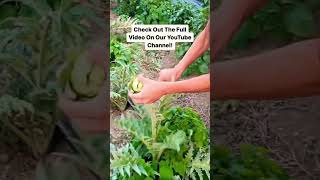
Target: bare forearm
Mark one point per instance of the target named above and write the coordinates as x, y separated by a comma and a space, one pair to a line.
196, 84
291, 71
228, 18
198, 47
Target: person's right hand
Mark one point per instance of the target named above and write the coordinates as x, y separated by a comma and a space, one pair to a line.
170, 74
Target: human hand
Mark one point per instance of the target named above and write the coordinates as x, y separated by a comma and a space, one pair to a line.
91, 115
152, 91
170, 74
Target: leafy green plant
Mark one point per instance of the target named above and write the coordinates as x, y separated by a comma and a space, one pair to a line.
169, 151
32, 127
33, 46
127, 7
199, 163
160, 12
120, 75
128, 163
183, 13
148, 11
122, 24
187, 119
252, 163
199, 66
120, 52
279, 20
125, 60
154, 12
37, 42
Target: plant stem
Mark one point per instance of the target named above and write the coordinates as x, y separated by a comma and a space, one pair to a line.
43, 45
160, 153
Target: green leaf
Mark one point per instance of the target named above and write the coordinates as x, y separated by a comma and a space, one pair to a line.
143, 171
127, 169
203, 68
121, 171
187, 119
172, 141
299, 21
180, 167
7, 10
166, 172
18, 64
136, 169
248, 31
40, 6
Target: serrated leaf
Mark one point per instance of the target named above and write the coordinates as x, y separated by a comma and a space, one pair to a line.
143, 171
200, 174
180, 167
174, 141
121, 171
127, 169
136, 169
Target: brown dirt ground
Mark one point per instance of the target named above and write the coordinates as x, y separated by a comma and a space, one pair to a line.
16, 164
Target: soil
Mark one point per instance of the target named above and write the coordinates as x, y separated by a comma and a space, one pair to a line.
16, 164
288, 128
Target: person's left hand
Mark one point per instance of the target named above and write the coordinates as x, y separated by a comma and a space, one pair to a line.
152, 91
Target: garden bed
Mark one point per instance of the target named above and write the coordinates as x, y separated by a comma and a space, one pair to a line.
288, 128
